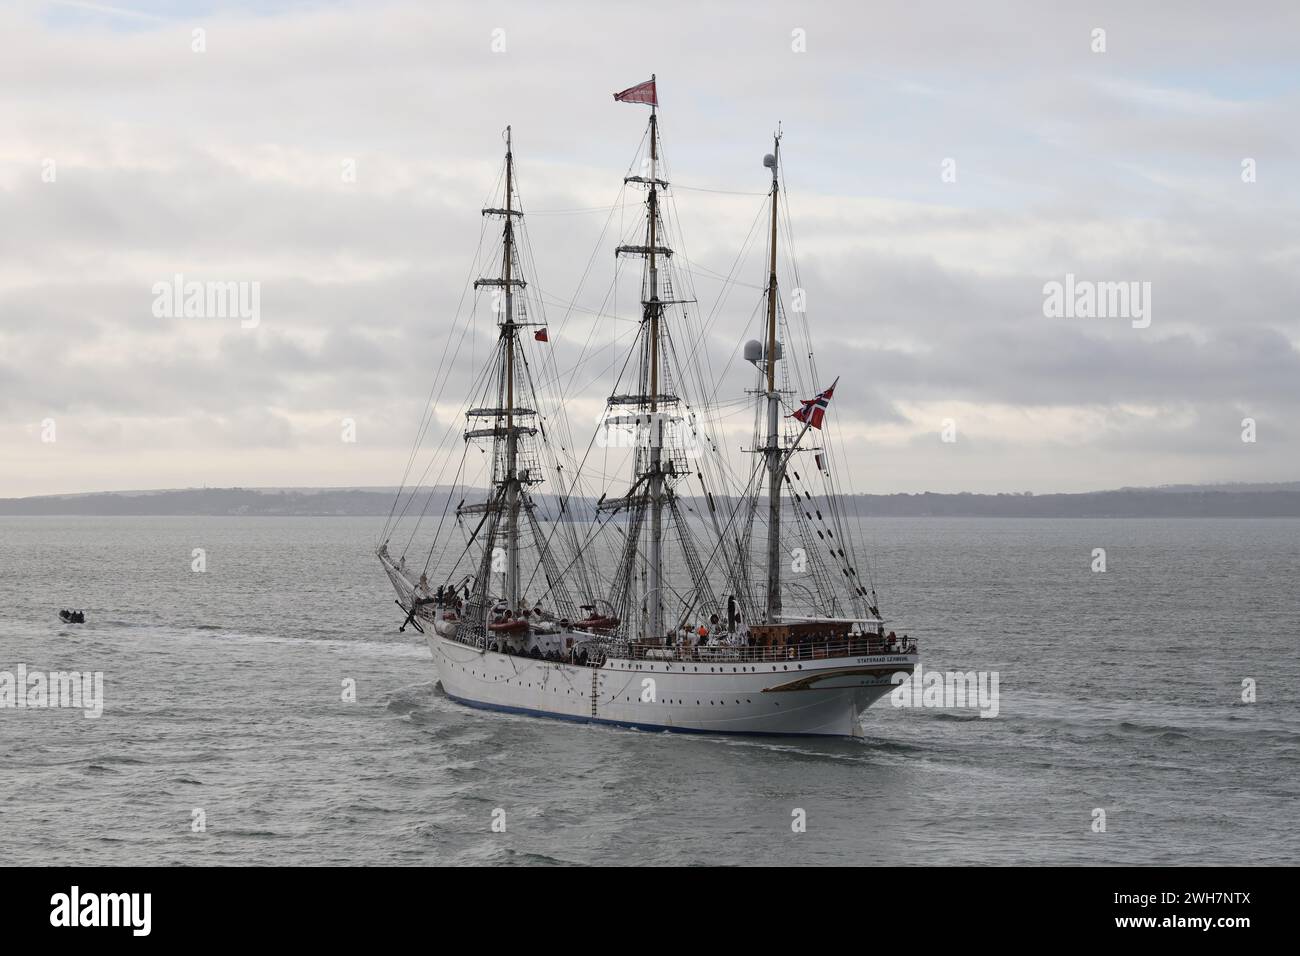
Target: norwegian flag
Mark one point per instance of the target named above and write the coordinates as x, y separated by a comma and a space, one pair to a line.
641, 93
814, 409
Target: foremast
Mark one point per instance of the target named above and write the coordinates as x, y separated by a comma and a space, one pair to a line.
512, 437
502, 510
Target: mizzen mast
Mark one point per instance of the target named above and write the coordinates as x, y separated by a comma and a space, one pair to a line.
773, 450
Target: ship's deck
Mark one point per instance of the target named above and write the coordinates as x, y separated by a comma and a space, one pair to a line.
803, 651
595, 654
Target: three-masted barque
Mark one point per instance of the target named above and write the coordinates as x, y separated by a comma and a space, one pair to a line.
686, 596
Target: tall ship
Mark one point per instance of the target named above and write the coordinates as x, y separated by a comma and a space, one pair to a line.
633, 574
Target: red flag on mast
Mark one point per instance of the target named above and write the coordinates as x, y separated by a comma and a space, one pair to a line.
813, 410
541, 335
641, 93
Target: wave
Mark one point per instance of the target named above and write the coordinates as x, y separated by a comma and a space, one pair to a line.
960, 716
527, 858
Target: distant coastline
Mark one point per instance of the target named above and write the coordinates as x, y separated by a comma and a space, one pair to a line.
1277, 500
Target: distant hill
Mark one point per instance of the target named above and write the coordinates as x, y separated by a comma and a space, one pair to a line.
1128, 503
1226, 486
214, 501
1175, 501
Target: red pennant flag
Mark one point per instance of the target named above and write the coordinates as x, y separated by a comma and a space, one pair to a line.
641, 93
540, 335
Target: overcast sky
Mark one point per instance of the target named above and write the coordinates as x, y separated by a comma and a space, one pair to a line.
127, 157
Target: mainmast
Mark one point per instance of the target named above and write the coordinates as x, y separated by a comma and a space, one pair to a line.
775, 465
651, 471
651, 502
653, 310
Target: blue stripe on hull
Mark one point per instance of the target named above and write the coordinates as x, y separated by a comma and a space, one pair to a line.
575, 718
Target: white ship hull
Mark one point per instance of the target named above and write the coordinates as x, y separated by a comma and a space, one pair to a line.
823, 697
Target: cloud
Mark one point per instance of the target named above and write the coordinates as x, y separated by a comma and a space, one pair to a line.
925, 295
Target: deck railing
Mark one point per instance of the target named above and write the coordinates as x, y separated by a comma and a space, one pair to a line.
860, 646
726, 653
